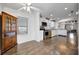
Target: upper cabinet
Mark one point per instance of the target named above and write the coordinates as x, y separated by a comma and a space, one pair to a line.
9, 22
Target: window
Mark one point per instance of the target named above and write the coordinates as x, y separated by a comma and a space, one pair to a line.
22, 25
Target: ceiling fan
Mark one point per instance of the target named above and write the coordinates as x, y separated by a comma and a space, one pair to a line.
28, 7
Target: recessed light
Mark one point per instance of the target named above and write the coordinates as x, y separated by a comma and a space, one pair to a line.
77, 13
65, 8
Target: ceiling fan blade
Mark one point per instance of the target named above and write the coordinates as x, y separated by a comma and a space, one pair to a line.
34, 8
21, 8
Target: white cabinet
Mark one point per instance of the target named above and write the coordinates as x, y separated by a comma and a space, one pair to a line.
59, 32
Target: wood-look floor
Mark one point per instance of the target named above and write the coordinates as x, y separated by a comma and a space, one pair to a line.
53, 46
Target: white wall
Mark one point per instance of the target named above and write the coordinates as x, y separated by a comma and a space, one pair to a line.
21, 38
0, 9
34, 32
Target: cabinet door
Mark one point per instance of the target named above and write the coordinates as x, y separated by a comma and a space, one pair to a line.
7, 24
13, 24
7, 42
14, 41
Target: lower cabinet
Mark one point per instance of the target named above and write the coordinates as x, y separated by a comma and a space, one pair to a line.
7, 43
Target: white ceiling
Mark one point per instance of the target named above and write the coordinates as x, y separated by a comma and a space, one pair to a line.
57, 9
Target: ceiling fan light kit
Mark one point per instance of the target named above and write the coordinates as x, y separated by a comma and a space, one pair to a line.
28, 7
